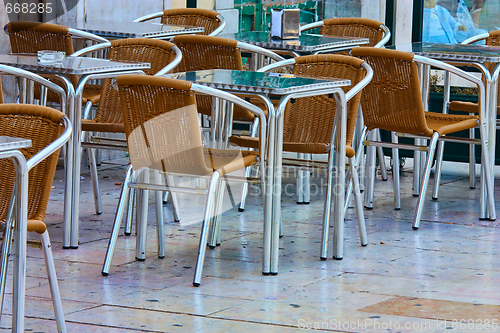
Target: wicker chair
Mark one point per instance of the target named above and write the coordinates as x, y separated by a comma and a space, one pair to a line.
378, 35
205, 52
491, 38
212, 21
375, 31
162, 55
31, 37
43, 126
393, 102
309, 122
161, 123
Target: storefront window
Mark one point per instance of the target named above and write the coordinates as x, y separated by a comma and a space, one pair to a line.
453, 21
255, 14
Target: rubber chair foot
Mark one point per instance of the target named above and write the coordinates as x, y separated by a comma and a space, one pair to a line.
211, 247
127, 233
415, 195
340, 258
98, 213
140, 259
322, 258
397, 208
104, 274
196, 284
434, 199
241, 209
266, 274
414, 228
274, 274
161, 257
364, 245
369, 208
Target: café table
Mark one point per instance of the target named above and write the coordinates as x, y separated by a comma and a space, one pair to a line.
9, 148
86, 69
475, 55
111, 29
304, 45
285, 87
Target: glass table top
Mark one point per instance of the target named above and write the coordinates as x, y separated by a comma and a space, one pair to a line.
120, 29
457, 52
9, 143
305, 43
257, 82
70, 65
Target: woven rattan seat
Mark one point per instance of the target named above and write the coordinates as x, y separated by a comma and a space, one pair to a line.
206, 52
31, 37
161, 124
198, 17
393, 102
42, 125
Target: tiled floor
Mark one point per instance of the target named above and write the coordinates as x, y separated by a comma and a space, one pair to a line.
403, 281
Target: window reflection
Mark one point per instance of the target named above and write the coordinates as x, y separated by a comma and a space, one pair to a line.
452, 21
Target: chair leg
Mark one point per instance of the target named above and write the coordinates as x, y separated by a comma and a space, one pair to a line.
425, 181
209, 208
300, 182
472, 160
116, 224
160, 233
173, 196
381, 158
359, 203
370, 173
54, 287
488, 176
6, 247
215, 225
327, 208
244, 191
307, 182
142, 217
95, 181
130, 207
395, 173
358, 159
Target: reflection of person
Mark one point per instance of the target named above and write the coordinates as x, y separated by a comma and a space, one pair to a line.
439, 25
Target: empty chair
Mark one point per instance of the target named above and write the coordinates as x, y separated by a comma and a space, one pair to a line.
491, 38
212, 21
163, 134
378, 35
393, 102
48, 129
377, 32
205, 52
31, 37
309, 123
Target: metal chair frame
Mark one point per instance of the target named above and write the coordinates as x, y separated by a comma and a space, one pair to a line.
45, 239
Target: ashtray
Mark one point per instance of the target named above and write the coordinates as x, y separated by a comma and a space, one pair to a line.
50, 57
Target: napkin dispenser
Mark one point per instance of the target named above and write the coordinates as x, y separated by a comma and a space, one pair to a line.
285, 23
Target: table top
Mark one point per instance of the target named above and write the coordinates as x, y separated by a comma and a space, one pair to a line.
257, 82
70, 65
149, 29
305, 43
454, 52
9, 143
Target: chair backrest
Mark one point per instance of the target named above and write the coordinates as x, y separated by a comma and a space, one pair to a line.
354, 27
392, 100
161, 124
207, 52
31, 37
42, 125
311, 119
157, 52
208, 19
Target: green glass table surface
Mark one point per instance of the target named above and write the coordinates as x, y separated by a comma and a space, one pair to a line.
447, 52
257, 82
305, 43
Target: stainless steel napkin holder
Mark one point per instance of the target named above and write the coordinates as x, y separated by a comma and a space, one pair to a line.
285, 23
